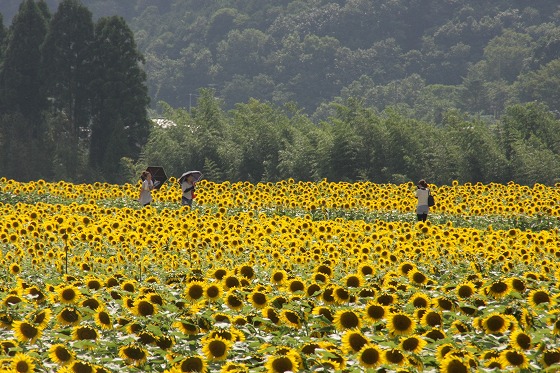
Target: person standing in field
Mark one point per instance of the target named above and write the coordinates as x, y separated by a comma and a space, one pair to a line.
187, 186
422, 193
147, 187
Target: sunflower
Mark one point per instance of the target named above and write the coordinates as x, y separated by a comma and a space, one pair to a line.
84, 333
79, 366
281, 364
25, 331
133, 354
444, 303
444, 349
278, 277
233, 301
514, 358
346, 319
69, 316
129, 286
370, 356
143, 307
353, 281
93, 283
194, 291
11, 299
313, 290
35, 294
341, 295
61, 354
353, 341
494, 364
258, 299
420, 300
324, 312
230, 334
406, 267
15, 268
465, 290
291, 318
234, 368
67, 294
495, 323
431, 319
213, 292
499, 289
539, 297
165, 342
375, 311
435, 334
91, 303
192, 364
295, 285
517, 284
459, 327
42, 318
366, 269
8, 347
394, 356
454, 364
22, 363
216, 348
187, 326
519, 340
551, 357
386, 299
412, 343
417, 277
103, 319
399, 323
271, 314
146, 337
231, 281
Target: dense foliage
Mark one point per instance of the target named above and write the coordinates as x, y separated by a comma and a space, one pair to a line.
424, 55
260, 142
278, 277
73, 96
335, 85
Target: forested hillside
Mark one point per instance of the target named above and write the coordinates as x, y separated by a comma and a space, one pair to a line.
425, 55
271, 89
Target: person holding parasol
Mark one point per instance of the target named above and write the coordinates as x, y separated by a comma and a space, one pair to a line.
188, 182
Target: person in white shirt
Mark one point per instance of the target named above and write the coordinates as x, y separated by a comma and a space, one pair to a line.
422, 193
187, 186
147, 187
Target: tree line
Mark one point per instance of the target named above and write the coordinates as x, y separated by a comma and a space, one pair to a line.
260, 142
73, 94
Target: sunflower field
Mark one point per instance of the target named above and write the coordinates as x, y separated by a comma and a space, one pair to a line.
279, 277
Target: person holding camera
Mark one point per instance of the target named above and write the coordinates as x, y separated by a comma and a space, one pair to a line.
147, 187
422, 194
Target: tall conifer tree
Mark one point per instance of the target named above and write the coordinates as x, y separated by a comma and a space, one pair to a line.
67, 63
21, 88
120, 123
22, 100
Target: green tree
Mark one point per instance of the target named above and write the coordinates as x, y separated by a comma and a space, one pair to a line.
506, 55
208, 135
120, 125
67, 63
532, 122
21, 81
3, 33
542, 85
482, 158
